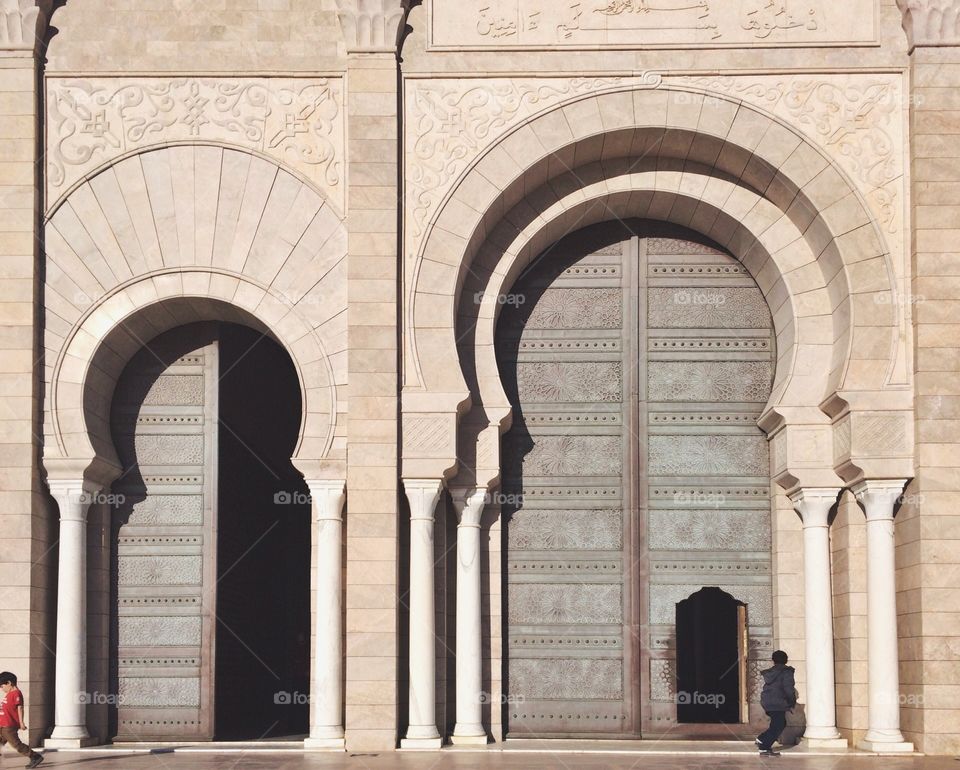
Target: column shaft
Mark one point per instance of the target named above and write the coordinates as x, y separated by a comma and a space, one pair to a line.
326, 725
422, 729
70, 729
470, 697
821, 711
883, 662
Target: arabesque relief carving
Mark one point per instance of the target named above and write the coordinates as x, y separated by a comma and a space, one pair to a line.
858, 121
451, 122
298, 122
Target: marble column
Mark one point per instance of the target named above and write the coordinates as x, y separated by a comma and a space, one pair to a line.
326, 720
70, 712
883, 660
422, 732
469, 727
813, 505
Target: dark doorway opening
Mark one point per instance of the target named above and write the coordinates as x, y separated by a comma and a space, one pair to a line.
263, 539
710, 655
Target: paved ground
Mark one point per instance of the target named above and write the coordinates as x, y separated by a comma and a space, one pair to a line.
163, 759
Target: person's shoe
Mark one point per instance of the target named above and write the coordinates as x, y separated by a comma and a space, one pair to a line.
769, 753
758, 743
35, 761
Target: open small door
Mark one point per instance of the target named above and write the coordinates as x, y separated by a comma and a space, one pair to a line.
711, 658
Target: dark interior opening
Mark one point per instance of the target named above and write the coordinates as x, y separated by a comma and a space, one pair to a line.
262, 633
708, 658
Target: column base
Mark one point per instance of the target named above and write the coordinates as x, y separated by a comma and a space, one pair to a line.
886, 747
70, 743
469, 740
337, 744
824, 743
421, 743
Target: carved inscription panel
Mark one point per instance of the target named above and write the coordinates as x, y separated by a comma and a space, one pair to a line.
650, 23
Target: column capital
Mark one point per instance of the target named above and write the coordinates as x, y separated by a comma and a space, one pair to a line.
814, 504
326, 496
878, 496
422, 494
371, 26
74, 497
24, 24
468, 502
931, 22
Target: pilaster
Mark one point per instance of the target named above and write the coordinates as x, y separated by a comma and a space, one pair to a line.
29, 530
928, 523
372, 288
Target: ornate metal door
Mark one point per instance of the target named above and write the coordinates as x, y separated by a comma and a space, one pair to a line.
164, 424
637, 360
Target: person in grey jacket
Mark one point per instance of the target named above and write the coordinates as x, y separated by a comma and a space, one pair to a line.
779, 696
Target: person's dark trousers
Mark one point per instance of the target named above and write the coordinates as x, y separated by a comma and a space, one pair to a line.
10, 735
778, 721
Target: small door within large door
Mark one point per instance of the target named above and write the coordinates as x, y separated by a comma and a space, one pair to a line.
164, 424
709, 658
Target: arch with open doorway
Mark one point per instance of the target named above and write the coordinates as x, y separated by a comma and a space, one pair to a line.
209, 551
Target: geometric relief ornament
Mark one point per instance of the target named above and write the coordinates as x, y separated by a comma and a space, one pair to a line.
296, 121
663, 684
708, 455
567, 678
880, 434
154, 692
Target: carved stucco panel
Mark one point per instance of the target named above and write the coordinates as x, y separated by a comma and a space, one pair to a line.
160, 570
153, 692
566, 603
567, 678
141, 631
299, 122
710, 530
162, 510
532, 529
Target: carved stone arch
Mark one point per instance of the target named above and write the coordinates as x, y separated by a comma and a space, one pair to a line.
206, 228
80, 388
740, 143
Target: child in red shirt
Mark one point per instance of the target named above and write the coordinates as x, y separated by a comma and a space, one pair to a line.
11, 718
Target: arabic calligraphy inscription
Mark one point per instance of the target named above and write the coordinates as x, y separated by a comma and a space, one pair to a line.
644, 23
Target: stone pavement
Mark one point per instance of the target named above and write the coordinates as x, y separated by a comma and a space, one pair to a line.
657, 757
